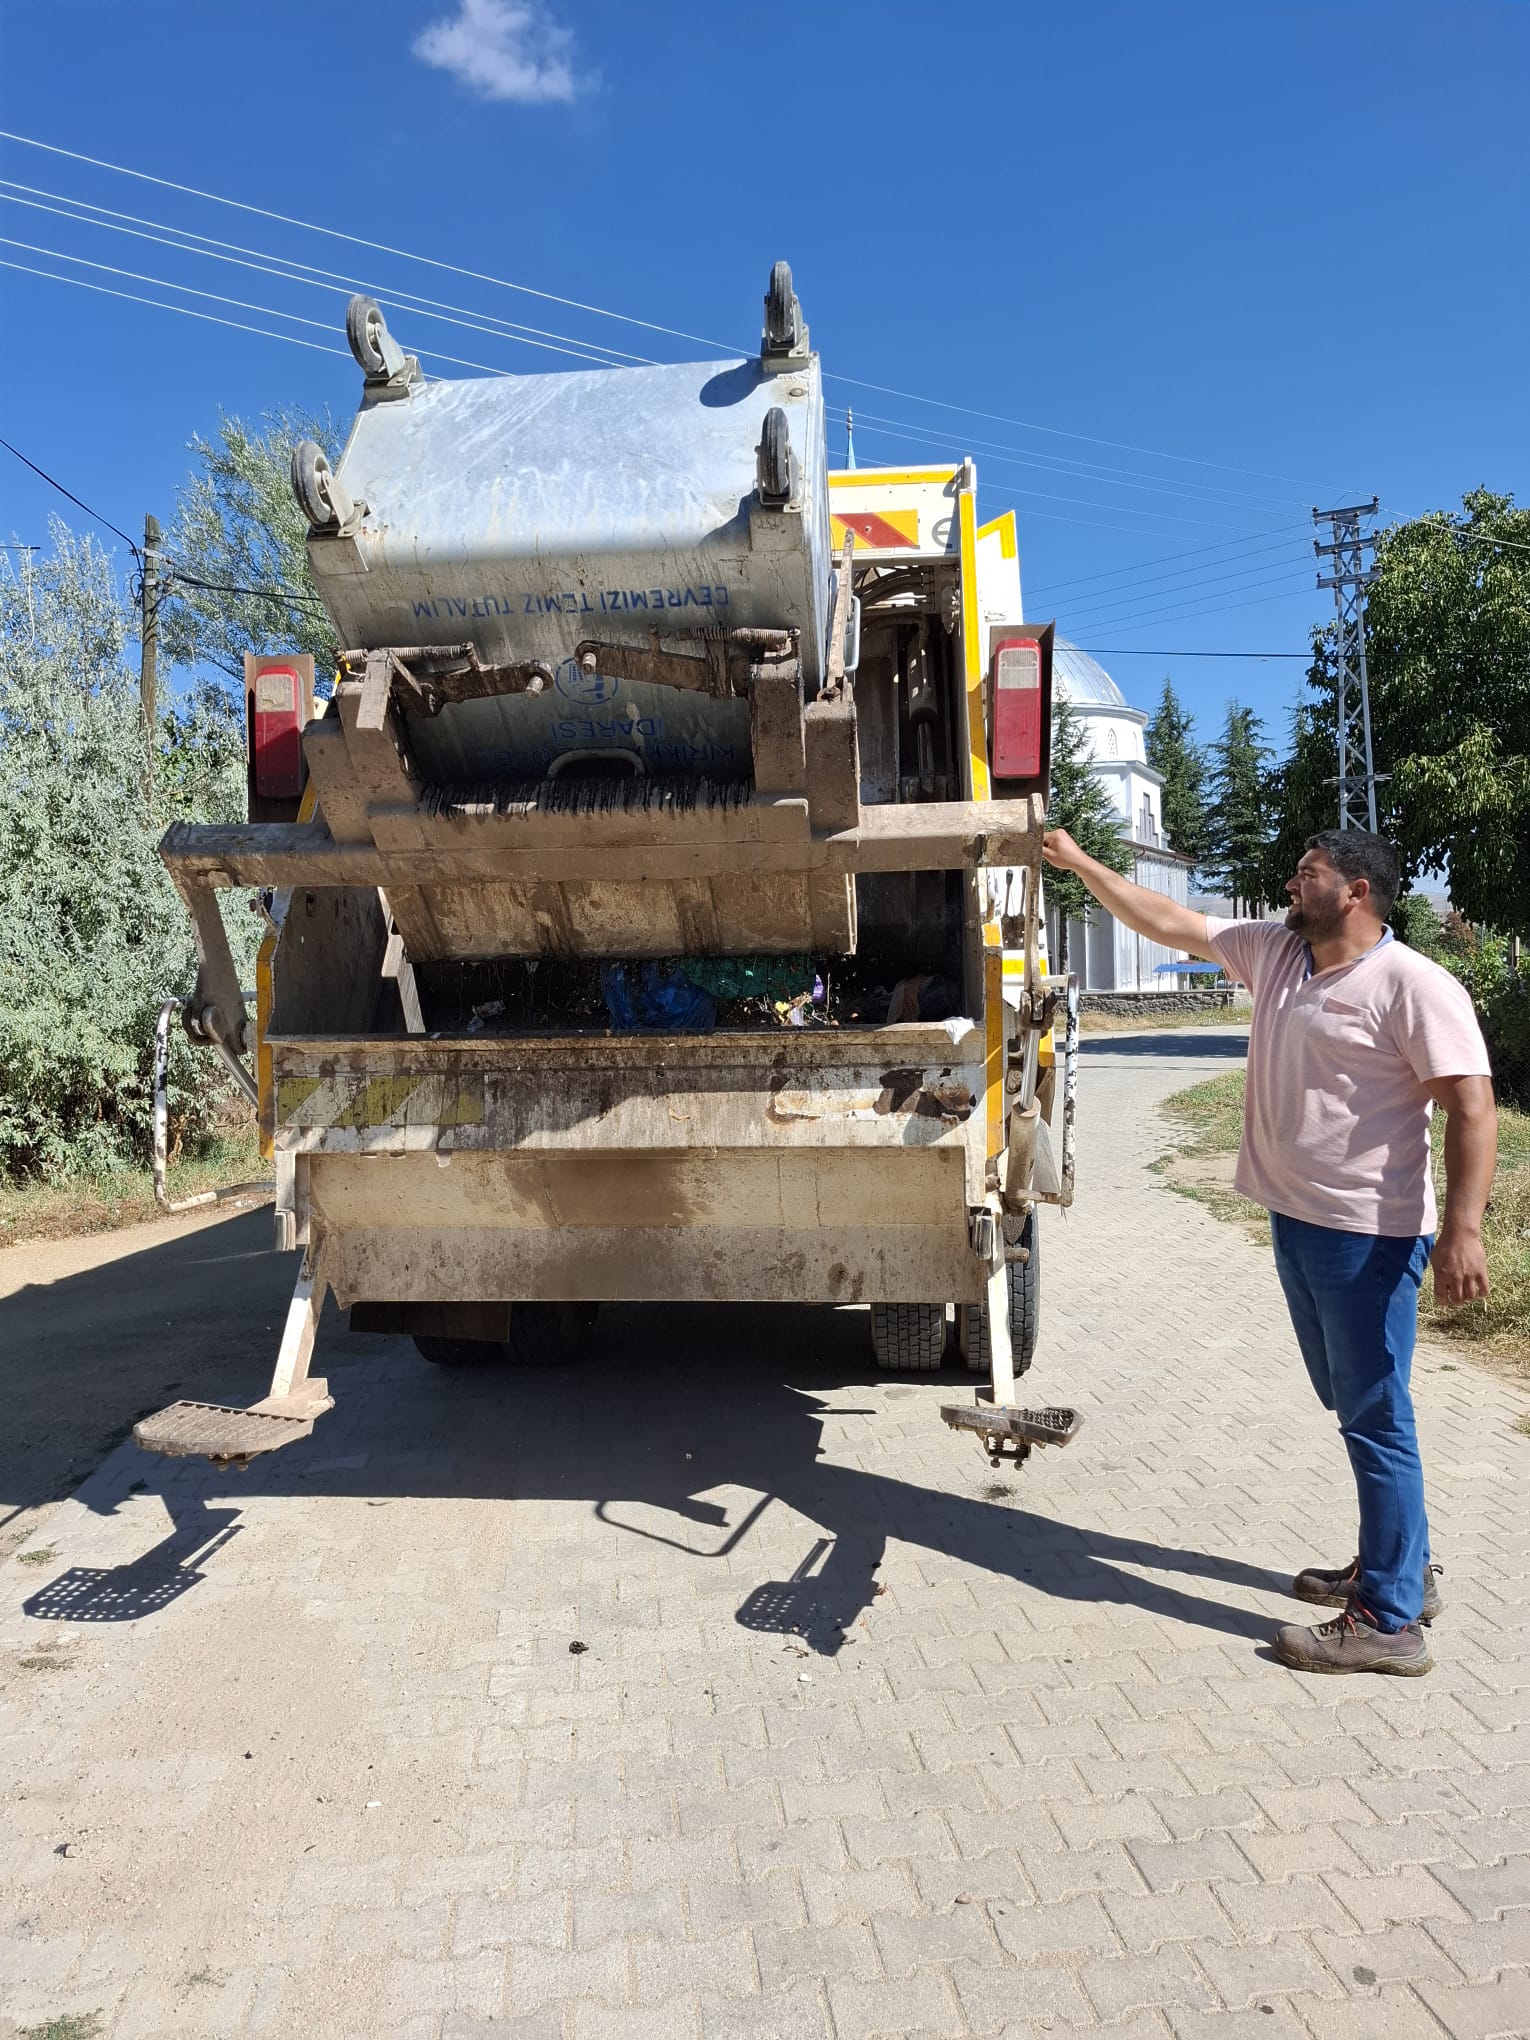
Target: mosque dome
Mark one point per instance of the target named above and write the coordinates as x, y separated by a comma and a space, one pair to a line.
1082, 679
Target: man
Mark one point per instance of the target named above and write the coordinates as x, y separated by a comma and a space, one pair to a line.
1355, 1038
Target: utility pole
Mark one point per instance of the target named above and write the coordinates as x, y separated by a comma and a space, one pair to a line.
1349, 580
148, 670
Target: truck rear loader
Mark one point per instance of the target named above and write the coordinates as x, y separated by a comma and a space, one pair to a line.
655, 904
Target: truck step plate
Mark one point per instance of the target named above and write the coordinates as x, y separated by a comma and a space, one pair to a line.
188, 1430
998, 1425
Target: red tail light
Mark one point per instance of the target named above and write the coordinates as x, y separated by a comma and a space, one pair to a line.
1017, 708
278, 734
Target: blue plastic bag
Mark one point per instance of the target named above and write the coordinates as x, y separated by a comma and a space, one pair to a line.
655, 996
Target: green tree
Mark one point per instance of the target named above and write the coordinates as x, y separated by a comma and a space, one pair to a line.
1173, 751
1414, 920
92, 933
238, 526
1448, 655
1078, 803
1239, 818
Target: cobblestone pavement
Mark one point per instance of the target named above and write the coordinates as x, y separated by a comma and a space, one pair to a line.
717, 1690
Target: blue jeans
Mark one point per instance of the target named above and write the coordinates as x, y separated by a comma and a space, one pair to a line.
1353, 1299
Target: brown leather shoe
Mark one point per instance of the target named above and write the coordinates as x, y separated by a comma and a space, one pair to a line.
1353, 1643
1337, 1588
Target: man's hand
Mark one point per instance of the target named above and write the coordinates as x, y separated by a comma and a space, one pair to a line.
1059, 849
1460, 1266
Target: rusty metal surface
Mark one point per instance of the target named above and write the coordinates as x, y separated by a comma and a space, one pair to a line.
187, 1430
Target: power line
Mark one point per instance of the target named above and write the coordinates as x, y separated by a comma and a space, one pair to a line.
186, 311
54, 483
239, 304
1168, 600
1093, 471
182, 239
1136, 652
1083, 502
1185, 581
626, 318
228, 588
1226, 545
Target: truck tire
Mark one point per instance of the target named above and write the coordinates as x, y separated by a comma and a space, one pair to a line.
549, 1334
909, 1338
1024, 1309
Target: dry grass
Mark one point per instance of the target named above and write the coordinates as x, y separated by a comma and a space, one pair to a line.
92, 1204
1499, 1330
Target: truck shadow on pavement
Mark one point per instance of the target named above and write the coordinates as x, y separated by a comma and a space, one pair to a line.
1186, 1045
674, 1406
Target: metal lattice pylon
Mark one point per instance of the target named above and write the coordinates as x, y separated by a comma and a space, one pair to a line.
1349, 580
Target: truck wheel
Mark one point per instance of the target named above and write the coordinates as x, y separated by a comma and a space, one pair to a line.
549, 1334
909, 1338
1024, 1309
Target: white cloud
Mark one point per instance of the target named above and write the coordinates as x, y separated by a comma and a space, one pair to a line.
505, 49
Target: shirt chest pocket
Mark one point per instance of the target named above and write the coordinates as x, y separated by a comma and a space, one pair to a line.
1347, 1028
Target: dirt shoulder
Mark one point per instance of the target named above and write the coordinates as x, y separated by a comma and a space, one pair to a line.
1209, 1117
97, 1332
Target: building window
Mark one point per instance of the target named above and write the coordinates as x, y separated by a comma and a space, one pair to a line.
1148, 833
1110, 744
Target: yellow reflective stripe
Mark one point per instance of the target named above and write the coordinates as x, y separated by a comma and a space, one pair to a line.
1009, 544
889, 478
972, 650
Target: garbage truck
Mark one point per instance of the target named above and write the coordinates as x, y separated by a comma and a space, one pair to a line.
655, 905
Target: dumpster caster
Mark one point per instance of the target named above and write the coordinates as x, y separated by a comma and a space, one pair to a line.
909, 1338
1009, 1433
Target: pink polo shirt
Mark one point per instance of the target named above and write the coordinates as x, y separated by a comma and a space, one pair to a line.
1337, 1109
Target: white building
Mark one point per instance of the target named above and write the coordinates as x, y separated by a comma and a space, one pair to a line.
1106, 956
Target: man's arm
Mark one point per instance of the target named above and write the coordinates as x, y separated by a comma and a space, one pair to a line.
1471, 1151
1144, 912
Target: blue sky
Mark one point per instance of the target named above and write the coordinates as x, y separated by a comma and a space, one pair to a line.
1205, 265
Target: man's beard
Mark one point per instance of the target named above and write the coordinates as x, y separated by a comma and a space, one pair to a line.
1315, 925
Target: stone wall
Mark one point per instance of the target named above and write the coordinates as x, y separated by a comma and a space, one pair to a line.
1158, 1002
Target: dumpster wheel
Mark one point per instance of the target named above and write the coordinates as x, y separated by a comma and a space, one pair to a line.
909, 1338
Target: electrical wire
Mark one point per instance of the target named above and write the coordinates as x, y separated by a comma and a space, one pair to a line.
626, 318
1215, 609
1163, 586
1115, 573
1093, 471
1137, 652
182, 239
186, 311
344, 353
1084, 502
54, 483
1108, 609
189, 580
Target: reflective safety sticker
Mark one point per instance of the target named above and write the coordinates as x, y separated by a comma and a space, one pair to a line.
353, 1102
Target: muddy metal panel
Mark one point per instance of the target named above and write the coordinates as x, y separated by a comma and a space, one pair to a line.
529, 512
637, 1168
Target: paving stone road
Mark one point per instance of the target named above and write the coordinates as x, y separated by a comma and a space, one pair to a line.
715, 1689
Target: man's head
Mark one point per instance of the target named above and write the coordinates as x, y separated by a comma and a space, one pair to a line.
1343, 872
